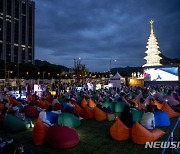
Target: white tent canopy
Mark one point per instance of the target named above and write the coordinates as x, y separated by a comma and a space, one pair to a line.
116, 80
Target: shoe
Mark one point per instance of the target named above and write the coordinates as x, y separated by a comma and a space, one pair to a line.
80, 118
10, 141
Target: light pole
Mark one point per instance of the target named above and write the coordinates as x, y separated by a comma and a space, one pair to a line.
110, 63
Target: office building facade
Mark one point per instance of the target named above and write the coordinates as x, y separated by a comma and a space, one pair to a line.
17, 22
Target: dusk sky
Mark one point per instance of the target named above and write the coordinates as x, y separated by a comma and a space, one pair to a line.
98, 31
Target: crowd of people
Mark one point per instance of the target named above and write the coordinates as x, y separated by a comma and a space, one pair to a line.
135, 98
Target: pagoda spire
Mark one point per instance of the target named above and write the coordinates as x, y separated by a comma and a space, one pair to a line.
152, 30
152, 58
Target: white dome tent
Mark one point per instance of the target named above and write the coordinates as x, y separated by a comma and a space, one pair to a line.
116, 80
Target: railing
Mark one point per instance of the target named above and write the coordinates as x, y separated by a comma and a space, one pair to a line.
170, 137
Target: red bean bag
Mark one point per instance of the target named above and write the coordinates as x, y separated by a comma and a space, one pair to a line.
78, 110
84, 103
62, 137
171, 113
88, 113
141, 135
119, 131
57, 107
30, 111
13, 101
39, 132
92, 103
99, 114
43, 104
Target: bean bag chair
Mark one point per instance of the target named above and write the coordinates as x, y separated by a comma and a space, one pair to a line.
62, 137
137, 103
61, 100
119, 131
79, 99
119, 106
141, 135
13, 124
99, 114
78, 110
52, 117
84, 103
171, 113
159, 105
1, 107
88, 113
92, 104
13, 101
69, 120
39, 132
43, 104
110, 104
57, 107
30, 111
137, 115
161, 119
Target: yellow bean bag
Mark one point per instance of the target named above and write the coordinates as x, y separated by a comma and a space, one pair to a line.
99, 114
141, 135
119, 131
171, 113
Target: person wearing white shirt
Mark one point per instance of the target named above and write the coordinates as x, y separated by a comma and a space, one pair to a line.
148, 120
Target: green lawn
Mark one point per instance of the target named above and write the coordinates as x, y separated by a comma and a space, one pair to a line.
94, 138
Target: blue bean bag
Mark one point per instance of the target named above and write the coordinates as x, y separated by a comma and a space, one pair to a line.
161, 119
52, 117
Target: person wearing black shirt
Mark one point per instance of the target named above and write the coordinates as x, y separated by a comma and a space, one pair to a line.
127, 117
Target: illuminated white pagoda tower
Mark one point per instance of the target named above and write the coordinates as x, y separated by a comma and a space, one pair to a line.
152, 58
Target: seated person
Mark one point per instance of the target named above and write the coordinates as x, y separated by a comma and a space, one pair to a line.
127, 117
148, 120
22, 117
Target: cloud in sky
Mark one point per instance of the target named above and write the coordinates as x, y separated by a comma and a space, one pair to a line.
104, 30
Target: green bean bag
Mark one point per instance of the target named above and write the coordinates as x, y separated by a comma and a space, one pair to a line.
107, 103
119, 106
13, 124
61, 100
69, 120
137, 115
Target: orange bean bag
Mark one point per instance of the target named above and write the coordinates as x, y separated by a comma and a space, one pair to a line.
141, 135
99, 114
137, 103
171, 113
159, 105
88, 113
119, 131
92, 103
84, 103
78, 110
39, 132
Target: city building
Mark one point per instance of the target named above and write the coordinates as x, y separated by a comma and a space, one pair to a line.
17, 20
